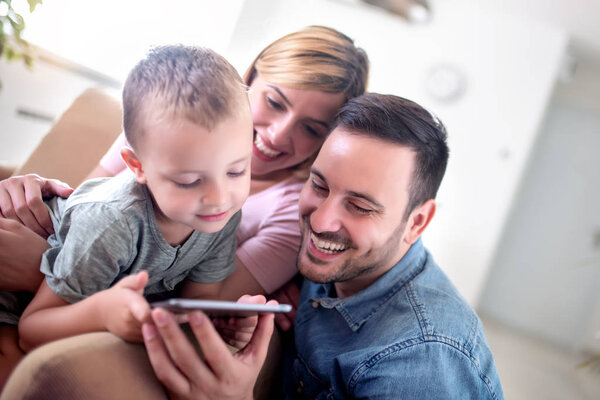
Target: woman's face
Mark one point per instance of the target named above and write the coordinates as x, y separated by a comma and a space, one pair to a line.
289, 124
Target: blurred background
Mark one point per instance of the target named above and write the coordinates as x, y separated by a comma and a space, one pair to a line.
517, 85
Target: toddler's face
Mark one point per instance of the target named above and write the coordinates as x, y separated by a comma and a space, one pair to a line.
199, 178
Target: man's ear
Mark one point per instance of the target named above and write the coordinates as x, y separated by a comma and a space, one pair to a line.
134, 164
418, 220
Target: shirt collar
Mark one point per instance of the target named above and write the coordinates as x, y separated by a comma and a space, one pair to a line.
358, 308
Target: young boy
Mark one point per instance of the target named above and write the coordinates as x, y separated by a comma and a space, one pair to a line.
124, 240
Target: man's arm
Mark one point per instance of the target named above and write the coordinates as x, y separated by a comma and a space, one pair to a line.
120, 310
426, 370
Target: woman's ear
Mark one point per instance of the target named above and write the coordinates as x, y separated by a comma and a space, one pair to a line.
418, 220
134, 164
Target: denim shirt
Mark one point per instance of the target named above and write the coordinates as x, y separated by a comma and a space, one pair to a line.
409, 335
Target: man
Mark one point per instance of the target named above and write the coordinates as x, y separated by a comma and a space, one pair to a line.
376, 318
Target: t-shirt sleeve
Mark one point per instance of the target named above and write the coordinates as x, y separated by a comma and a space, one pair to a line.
219, 261
270, 255
112, 161
430, 370
91, 248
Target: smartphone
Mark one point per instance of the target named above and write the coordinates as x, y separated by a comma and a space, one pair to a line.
216, 308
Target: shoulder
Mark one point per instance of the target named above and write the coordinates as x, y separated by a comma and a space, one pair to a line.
441, 340
417, 368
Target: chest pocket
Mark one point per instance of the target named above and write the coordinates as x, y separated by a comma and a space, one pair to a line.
309, 386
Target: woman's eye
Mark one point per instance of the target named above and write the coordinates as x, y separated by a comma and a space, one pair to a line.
312, 131
187, 185
236, 174
274, 104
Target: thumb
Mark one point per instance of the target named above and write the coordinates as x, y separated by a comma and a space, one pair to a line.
56, 187
135, 282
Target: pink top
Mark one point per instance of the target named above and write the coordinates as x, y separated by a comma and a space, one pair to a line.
268, 236
112, 161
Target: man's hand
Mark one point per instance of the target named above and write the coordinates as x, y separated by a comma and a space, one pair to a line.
21, 200
124, 308
220, 375
288, 294
21, 252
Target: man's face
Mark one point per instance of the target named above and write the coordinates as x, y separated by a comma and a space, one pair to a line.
198, 178
352, 210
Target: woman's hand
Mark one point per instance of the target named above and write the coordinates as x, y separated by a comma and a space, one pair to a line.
21, 200
220, 374
21, 252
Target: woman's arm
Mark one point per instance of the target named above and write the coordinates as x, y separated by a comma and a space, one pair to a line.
21, 252
121, 310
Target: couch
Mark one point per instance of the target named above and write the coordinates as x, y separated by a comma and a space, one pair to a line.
77, 141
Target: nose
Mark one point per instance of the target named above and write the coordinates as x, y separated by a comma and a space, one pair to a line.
215, 193
280, 131
326, 216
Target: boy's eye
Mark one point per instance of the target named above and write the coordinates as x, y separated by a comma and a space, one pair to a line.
188, 185
318, 188
236, 173
274, 104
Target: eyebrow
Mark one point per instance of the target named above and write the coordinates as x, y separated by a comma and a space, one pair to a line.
287, 101
351, 192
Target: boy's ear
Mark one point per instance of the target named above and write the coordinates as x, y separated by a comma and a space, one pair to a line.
134, 164
418, 220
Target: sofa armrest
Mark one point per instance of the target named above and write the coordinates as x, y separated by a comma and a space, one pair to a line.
77, 141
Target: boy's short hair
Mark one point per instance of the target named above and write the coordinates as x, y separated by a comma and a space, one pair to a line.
180, 81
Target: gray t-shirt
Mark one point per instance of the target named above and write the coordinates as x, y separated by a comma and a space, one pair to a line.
107, 229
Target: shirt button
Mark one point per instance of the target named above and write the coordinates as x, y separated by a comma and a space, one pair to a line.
315, 304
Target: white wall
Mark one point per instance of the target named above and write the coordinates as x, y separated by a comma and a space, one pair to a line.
510, 65
545, 279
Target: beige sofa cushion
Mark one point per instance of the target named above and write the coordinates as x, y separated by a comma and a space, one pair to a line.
78, 140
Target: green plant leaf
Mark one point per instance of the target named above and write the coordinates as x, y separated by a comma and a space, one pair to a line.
33, 4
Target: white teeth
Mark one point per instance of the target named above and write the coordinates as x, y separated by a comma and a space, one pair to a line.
258, 142
326, 247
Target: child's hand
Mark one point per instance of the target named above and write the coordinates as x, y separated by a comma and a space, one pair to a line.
236, 331
124, 307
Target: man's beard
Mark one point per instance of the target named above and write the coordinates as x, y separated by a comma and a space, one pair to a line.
350, 268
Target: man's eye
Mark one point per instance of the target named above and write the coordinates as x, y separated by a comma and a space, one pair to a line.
361, 210
274, 104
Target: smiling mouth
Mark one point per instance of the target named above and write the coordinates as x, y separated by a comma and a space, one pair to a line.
213, 217
327, 247
264, 149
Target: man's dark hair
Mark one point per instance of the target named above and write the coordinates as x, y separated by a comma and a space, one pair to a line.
405, 123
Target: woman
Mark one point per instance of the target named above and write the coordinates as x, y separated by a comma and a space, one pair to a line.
297, 84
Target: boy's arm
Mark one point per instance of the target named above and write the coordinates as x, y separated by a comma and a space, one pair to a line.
196, 290
120, 310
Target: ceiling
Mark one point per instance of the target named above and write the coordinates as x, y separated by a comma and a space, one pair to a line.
579, 18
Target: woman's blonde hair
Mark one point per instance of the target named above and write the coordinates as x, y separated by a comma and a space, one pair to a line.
314, 58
